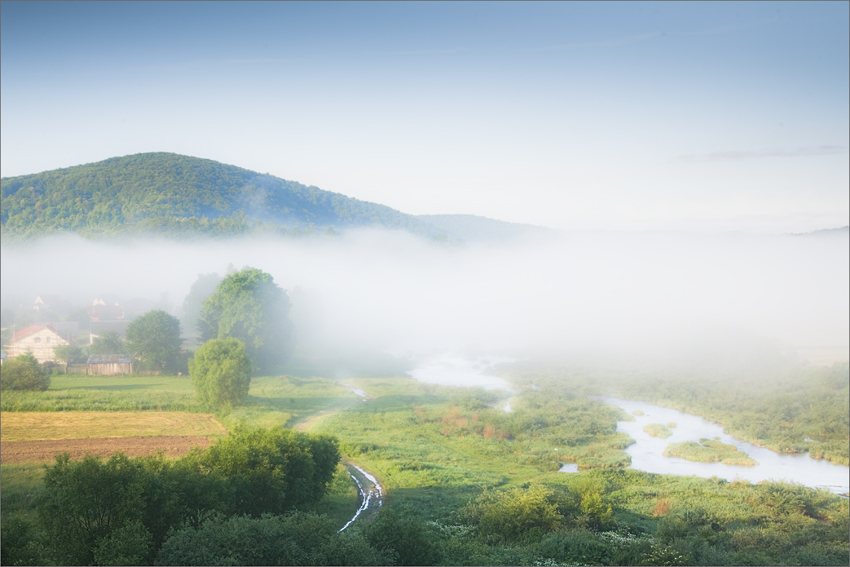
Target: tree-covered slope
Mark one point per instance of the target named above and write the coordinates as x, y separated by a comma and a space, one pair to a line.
174, 194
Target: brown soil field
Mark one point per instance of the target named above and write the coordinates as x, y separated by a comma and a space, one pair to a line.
46, 450
34, 426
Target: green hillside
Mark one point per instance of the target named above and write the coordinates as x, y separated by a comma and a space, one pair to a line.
177, 195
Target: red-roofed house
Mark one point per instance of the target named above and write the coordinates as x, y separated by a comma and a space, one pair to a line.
40, 340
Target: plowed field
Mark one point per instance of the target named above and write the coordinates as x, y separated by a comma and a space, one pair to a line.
46, 450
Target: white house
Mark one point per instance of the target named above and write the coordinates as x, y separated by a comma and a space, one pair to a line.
40, 340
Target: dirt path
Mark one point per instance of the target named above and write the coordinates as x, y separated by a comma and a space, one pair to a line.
46, 450
304, 424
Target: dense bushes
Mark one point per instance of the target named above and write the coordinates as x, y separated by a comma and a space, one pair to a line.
404, 537
520, 512
24, 373
271, 470
120, 511
297, 538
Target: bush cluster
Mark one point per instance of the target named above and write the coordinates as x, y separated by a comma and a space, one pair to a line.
24, 373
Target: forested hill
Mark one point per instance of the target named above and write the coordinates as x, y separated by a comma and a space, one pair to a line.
175, 195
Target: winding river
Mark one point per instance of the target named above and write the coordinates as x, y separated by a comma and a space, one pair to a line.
647, 451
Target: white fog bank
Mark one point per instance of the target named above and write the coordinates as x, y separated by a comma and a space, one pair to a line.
396, 291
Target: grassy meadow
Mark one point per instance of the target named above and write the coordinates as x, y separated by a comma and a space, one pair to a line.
33, 426
477, 480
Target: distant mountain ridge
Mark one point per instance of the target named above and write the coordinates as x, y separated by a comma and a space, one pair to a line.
476, 228
173, 195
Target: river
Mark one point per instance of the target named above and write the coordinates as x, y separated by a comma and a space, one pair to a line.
647, 451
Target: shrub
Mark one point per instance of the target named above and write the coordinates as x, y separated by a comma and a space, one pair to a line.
273, 470
399, 533
24, 373
295, 539
514, 513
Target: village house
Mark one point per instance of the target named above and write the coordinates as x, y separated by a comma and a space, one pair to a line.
100, 310
40, 340
45, 302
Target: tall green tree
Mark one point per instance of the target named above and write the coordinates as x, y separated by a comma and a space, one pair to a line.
249, 306
66, 353
108, 342
203, 287
154, 338
221, 372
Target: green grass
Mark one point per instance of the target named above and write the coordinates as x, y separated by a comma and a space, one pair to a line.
75, 392
275, 401
436, 447
708, 451
658, 430
33, 426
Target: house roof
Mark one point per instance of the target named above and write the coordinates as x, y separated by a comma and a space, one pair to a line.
27, 331
108, 359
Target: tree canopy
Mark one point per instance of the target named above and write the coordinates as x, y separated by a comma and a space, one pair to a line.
249, 306
221, 372
203, 287
154, 338
108, 342
178, 195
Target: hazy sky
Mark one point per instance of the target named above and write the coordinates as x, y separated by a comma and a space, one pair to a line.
574, 115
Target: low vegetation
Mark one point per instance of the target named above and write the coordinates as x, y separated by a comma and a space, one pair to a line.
76, 392
33, 426
466, 483
765, 400
708, 451
658, 430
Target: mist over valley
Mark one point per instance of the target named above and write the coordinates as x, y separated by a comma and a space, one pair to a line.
412, 283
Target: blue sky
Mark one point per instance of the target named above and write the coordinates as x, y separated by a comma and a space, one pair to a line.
648, 116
